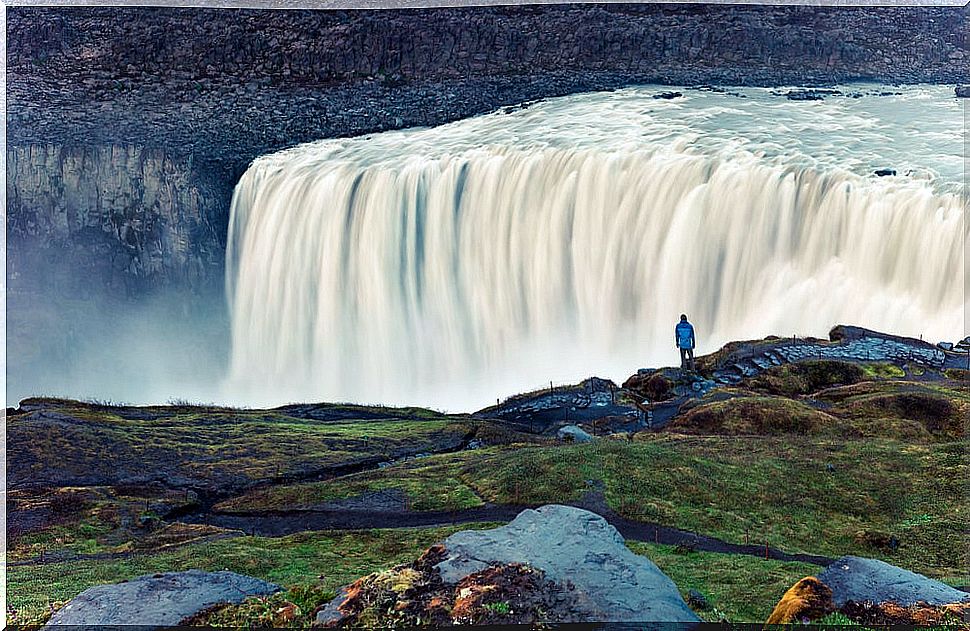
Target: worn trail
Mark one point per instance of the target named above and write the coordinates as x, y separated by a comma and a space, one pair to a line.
281, 523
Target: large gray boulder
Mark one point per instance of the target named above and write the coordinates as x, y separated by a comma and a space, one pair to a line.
860, 579
157, 600
573, 434
611, 583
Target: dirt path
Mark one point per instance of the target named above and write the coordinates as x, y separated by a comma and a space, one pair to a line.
281, 523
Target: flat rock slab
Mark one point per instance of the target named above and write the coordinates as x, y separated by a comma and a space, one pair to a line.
860, 579
573, 547
157, 600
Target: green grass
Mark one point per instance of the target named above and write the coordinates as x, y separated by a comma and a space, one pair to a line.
312, 566
740, 588
756, 489
907, 411
80, 538
900, 410
319, 562
427, 484
883, 370
777, 490
836, 620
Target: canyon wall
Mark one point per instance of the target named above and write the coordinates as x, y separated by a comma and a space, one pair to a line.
126, 218
322, 47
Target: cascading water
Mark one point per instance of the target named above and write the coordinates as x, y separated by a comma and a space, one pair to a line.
449, 266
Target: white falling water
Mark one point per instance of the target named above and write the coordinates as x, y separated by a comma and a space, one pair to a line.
450, 266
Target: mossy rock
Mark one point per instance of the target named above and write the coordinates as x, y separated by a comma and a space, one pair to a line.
806, 377
655, 386
901, 410
908, 413
755, 416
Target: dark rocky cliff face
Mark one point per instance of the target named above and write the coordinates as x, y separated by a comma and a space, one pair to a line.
131, 217
128, 127
323, 47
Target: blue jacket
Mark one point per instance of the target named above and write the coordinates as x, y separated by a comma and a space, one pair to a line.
684, 335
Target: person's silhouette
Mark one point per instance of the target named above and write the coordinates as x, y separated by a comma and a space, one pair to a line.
684, 339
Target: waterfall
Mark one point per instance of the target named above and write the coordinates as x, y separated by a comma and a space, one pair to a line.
423, 269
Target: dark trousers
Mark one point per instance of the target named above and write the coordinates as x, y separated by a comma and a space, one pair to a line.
686, 358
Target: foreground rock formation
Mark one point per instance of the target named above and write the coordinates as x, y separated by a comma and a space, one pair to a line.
861, 580
870, 591
555, 555
158, 600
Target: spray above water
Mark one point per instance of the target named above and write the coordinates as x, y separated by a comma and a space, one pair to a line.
449, 266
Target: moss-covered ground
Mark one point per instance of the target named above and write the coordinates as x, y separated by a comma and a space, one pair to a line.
69, 442
822, 459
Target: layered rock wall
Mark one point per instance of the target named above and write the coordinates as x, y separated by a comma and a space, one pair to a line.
319, 47
125, 217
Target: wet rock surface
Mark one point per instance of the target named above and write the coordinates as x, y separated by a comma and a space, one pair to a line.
573, 434
853, 344
157, 600
590, 401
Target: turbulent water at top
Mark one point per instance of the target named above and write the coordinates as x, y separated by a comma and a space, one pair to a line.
450, 266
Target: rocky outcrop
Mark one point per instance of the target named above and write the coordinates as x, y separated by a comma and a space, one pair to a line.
552, 564
573, 434
127, 218
593, 402
579, 547
157, 600
870, 580
738, 361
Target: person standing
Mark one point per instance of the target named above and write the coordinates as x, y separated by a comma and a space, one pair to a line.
684, 339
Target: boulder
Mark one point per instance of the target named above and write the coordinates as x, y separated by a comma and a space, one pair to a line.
962, 91
859, 579
807, 600
573, 434
574, 547
885, 172
157, 600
